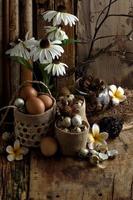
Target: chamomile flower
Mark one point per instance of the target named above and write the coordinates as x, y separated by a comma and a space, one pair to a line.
117, 94
60, 16
46, 50
56, 67
96, 138
16, 152
55, 33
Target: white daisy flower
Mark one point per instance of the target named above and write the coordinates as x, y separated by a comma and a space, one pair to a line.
57, 68
60, 16
117, 94
16, 152
46, 50
55, 33
21, 49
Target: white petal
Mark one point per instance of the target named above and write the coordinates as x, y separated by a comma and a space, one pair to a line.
49, 68
24, 150
16, 144
19, 157
48, 15
113, 88
95, 129
56, 42
9, 149
120, 90
11, 157
115, 101
104, 135
111, 93
123, 98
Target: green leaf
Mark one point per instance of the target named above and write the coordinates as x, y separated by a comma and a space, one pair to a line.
22, 61
70, 41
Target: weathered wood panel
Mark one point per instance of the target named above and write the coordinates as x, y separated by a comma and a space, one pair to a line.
26, 25
5, 40
13, 35
1, 5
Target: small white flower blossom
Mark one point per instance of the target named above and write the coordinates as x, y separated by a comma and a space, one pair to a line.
56, 67
16, 152
21, 49
59, 17
46, 50
55, 33
95, 137
117, 94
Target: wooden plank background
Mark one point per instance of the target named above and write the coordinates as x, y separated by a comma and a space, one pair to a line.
107, 66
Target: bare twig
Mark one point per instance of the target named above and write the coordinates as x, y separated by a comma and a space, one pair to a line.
120, 15
107, 36
98, 27
102, 12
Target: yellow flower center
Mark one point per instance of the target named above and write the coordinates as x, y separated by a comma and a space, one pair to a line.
17, 152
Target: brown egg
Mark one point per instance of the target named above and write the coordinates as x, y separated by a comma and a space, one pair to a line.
48, 146
47, 100
34, 105
27, 91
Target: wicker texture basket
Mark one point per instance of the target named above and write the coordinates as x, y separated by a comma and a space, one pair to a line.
30, 128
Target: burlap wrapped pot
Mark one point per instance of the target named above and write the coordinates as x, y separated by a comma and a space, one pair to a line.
71, 142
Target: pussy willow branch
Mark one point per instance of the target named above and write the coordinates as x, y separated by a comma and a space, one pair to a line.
99, 26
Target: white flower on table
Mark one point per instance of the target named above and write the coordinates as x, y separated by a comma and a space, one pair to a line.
16, 152
95, 137
60, 16
46, 50
117, 94
55, 33
56, 67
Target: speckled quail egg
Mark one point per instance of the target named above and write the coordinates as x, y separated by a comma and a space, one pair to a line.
77, 129
70, 97
66, 122
77, 120
83, 153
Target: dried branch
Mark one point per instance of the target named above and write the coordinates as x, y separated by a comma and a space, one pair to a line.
120, 15
99, 26
102, 12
